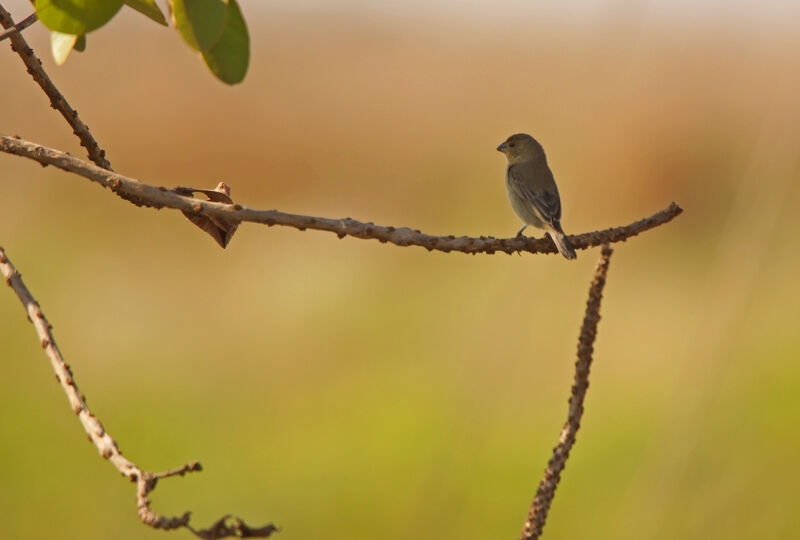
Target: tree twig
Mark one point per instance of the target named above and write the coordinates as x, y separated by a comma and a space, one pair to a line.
57, 100
161, 197
20, 26
537, 515
106, 445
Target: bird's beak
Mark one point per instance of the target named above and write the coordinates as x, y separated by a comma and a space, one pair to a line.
502, 147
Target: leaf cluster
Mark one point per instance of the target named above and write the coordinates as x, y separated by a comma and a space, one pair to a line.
214, 28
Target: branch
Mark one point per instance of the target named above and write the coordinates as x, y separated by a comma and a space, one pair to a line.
161, 197
106, 445
57, 101
537, 515
20, 26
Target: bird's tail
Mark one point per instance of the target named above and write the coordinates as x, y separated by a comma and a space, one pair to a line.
562, 243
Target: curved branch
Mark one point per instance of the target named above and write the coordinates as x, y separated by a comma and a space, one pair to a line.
106, 445
57, 100
161, 197
537, 514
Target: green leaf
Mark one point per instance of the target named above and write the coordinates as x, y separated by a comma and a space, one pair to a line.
80, 45
61, 45
200, 22
148, 8
229, 57
76, 17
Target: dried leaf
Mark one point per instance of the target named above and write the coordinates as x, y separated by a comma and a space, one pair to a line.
220, 230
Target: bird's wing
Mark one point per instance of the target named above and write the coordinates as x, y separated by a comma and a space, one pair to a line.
542, 195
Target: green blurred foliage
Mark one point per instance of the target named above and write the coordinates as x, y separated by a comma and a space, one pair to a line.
149, 8
229, 57
61, 45
200, 22
215, 28
76, 16
356, 390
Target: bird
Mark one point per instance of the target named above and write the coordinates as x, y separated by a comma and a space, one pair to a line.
532, 189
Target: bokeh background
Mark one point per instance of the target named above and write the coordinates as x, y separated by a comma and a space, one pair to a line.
345, 389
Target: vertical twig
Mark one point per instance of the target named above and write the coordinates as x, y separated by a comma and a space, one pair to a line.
537, 515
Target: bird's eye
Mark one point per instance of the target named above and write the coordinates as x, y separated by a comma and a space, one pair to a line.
511, 145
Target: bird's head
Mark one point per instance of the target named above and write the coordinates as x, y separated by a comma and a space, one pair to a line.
521, 147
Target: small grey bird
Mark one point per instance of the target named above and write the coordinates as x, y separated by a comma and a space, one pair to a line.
532, 189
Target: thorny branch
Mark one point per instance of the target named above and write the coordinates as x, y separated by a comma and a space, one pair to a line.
57, 100
106, 445
161, 197
552, 474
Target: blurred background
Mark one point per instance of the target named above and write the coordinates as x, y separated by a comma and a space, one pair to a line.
345, 389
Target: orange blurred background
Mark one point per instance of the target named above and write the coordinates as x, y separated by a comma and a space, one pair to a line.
351, 389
